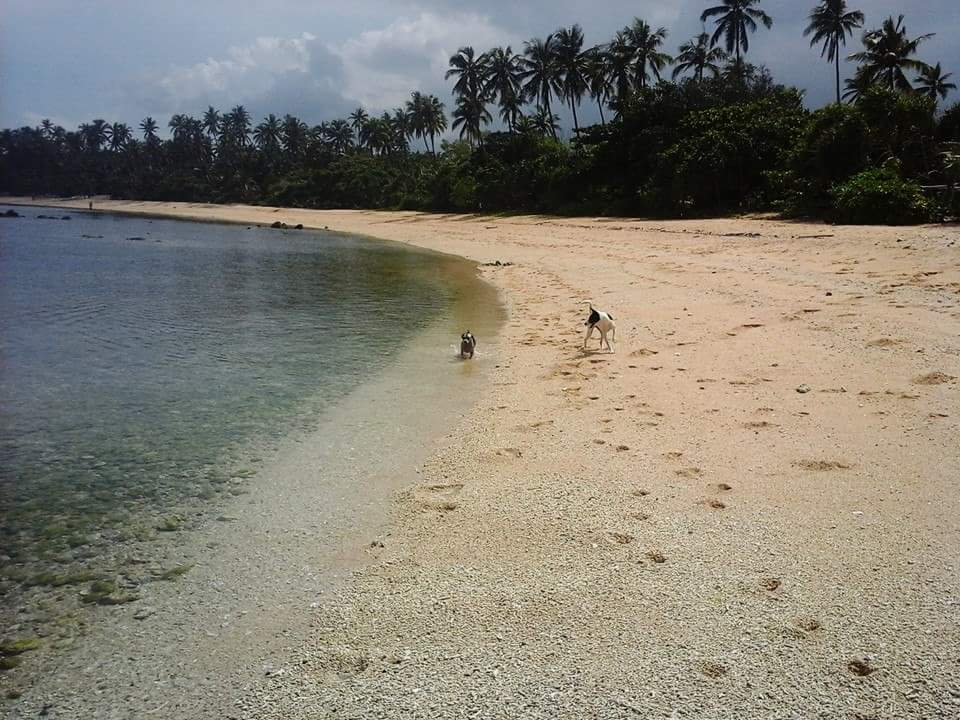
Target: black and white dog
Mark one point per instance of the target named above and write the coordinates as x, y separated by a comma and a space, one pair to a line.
603, 322
468, 343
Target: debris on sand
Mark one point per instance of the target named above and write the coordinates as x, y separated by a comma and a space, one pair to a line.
803, 388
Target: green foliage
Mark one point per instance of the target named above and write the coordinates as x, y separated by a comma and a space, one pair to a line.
948, 127
880, 197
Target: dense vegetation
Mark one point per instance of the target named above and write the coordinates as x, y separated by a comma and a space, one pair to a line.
719, 136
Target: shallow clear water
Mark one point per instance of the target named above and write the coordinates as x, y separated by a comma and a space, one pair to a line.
140, 360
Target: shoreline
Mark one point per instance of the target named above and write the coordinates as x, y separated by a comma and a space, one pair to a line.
750, 509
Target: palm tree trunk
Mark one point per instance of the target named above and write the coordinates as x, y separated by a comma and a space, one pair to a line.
837, 57
603, 120
433, 146
576, 125
425, 146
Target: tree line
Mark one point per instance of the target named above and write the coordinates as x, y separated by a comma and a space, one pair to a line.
702, 131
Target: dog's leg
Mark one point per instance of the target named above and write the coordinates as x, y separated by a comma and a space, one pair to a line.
589, 333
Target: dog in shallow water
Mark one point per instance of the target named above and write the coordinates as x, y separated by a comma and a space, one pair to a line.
603, 322
468, 343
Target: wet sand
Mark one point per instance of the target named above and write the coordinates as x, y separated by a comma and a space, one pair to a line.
750, 509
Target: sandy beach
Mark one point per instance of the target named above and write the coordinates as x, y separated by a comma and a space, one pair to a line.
749, 510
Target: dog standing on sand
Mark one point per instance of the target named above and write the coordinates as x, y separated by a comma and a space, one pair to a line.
468, 343
603, 322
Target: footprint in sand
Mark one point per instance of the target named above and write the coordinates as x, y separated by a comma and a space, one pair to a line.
715, 504
622, 448
759, 425
638, 516
721, 487
620, 538
822, 465
884, 342
656, 556
807, 624
641, 492
713, 669
933, 378
689, 472
439, 496
673, 454
770, 584
513, 452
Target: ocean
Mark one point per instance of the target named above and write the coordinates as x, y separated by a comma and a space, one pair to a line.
148, 366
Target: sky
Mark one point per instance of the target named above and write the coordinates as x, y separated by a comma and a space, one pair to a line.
122, 60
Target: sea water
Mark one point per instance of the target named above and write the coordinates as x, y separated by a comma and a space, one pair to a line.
147, 365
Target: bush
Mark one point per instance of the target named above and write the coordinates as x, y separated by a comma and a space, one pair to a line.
880, 197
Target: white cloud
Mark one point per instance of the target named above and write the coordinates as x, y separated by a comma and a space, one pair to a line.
249, 70
382, 67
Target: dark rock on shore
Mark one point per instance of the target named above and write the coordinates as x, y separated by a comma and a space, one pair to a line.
10, 214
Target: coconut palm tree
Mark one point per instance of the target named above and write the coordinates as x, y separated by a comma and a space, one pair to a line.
857, 86
735, 20
267, 135
435, 120
469, 117
339, 134
571, 62
470, 71
888, 52
211, 121
647, 57
932, 82
359, 118
502, 81
119, 135
417, 109
149, 128
698, 56
541, 74
46, 128
546, 123
239, 125
830, 23
599, 81
619, 60
293, 136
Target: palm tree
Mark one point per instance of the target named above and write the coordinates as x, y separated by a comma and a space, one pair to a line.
95, 134
470, 72
435, 120
932, 82
240, 125
645, 44
599, 81
416, 109
541, 74
697, 55
619, 61
572, 67
887, 54
359, 118
339, 134
46, 128
149, 127
211, 121
546, 123
831, 23
293, 136
267, 134
119, 135
735, 20
470, 116
857, 86
502, 82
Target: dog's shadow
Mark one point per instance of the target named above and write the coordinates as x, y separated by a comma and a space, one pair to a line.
590, 352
